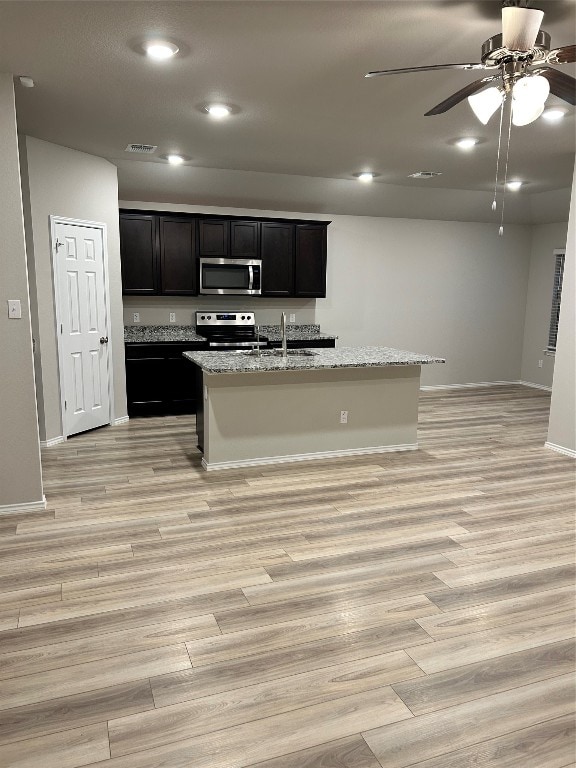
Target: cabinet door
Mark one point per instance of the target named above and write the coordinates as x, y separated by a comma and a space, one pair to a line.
178, 256
139, 254
146, 385
244, 239
277, 259
310, 271
214, 237
181, 385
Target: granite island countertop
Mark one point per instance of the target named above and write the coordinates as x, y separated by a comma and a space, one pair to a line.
147, 334
346, 357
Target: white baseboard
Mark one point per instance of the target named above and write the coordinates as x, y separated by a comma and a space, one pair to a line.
560, 449
479, 384
30, 506
306, 456
51, 442
121, 420
471, 385
535, 386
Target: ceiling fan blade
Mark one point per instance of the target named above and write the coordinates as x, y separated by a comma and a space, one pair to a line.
561, 84
431, 68
459, 96
565, 55
520, 27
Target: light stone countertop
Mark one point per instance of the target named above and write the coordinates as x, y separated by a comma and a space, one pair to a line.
346, 357
148, 334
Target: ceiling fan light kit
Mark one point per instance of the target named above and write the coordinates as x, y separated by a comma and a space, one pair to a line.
485, 103
521, 56
528, 98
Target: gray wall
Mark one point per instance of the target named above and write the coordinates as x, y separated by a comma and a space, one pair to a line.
562, 425
444, 288
545, 239
20, 472
63, 182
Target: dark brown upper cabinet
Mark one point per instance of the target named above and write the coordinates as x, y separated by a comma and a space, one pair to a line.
139, 251
177, 256
159, 252
214, 237
277, 251
310, 266
244, 239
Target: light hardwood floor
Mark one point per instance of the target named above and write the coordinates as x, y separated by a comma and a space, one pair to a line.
381, 611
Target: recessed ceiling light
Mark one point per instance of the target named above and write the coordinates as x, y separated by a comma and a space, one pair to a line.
160, 49
514, 185
467, 143
553, 115
366, 176
218, 110
175, 159
424, 174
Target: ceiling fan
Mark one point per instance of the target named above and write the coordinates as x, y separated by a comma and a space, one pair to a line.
518, 61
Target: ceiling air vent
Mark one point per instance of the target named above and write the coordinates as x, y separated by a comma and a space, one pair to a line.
146, 149
424, 174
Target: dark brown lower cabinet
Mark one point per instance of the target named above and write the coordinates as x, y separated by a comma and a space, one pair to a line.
159, 381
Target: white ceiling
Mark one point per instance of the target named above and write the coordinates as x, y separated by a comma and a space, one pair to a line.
294, 70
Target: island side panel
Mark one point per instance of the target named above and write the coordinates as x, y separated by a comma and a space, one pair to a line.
252, 417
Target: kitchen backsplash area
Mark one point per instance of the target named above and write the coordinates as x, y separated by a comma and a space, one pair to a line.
157, 310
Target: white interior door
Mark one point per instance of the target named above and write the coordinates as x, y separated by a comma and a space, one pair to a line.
81, 286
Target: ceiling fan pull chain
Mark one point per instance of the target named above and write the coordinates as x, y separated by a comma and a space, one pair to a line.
501, 230
498, 156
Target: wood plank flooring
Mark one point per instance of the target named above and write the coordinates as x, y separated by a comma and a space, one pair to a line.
382, 611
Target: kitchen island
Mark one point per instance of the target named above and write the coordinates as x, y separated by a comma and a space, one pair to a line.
325, 402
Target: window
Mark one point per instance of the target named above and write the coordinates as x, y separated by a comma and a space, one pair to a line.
556, 297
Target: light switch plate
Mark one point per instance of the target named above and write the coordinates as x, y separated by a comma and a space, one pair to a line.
14, 309
172, 317
136, 317
292, 319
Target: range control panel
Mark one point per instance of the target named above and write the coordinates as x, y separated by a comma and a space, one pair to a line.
225, 319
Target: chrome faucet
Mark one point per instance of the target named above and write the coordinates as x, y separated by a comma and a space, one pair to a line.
283, 332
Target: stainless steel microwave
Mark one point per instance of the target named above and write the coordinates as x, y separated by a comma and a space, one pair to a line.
237, 277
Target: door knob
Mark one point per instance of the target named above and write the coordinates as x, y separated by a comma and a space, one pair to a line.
103, 339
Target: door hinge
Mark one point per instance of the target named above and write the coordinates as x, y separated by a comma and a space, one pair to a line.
65, 404
61, 328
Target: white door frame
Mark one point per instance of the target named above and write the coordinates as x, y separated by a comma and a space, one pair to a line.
54, 220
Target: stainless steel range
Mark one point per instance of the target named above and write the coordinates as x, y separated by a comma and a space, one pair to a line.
229, 330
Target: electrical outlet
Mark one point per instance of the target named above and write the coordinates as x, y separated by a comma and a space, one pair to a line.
136, 317
540, 363
343, 417
292, 318
172, 317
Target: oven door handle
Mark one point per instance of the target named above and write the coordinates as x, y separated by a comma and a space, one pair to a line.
251, 273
